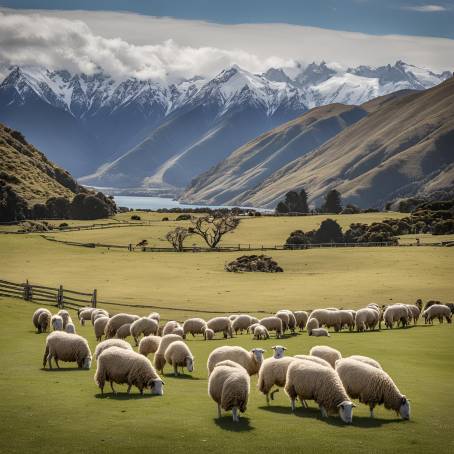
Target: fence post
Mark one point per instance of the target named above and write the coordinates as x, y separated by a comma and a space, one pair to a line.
60, 297
27, 291
94, 298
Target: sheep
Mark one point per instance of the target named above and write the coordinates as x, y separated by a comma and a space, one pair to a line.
365, 359
273, 372
70, 328
327, 317
169, 327
97, 313
57, 323
273, 324
437, 311
251, 360
145, 326
233, 317
314, 359
347, 319
208, 334
159, 359
279, 351
64, 314
366, 318
194, 326
312, 324
149, 344
124, 331
414, 313
221, 325
229, 386
285, 318
261, 333
254, 320
301, 319
291, 319
327, 353
118, 365
67, 347
155, 316
252, 327
85, 315
41, 319
372, 386
89, 309
319, 332
99, 327
116, 321
105, 344
179, 331
242, 322
395, 313
310, 381
177, 355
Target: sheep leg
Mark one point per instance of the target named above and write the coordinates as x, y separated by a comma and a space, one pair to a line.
293, 403
49, 359
219, 411
323, 412
235, 414
304, 404
112, 388
267, 398
371, 412
175, 370
56, 362
129, 389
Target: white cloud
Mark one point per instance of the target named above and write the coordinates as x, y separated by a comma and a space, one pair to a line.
127, 44
425, 8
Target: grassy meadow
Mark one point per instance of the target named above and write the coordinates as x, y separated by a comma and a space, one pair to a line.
42, 410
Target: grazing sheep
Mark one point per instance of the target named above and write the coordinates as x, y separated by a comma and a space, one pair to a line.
365, 359
170, 327
347, 319
221, 325
366, 318
314, 359
64, 314
291, 320
86, 308
310, 381
159, 358
124, 331
414, 313
329, 354
319, 332
70, 328
57, 323
105, 344
229, 386
116, 321
273, 324
155, 316
396, 313
242, 322
177, 355
273, 372
99, 327
437, 311
327, 317
208, 334
251, 360
254, 320
285, 318
41, 319
85, 315
145, 326
194, 326
260, 332
372, 386
312, 324
118, 365
233, 317
301, 319
97, 313
67, 347
279, 351
149, 344
252, 327
179, 331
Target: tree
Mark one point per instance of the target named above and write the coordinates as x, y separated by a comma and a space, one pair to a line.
95, 208
77, 206
281, 208
332, 202
12, 206
295, 202
58, 207
303, 205
297, 240
176, 237
39, 211
329, 232
213, 228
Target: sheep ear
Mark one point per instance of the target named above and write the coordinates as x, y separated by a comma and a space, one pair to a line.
274, 347
284, 348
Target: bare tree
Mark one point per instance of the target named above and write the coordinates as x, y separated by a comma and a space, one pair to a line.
213, 228
176, 237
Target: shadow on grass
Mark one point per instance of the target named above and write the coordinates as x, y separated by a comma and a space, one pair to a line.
182, 376
125, 396
226, 423
64, 369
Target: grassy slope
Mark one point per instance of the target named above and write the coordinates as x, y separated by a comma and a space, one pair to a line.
43, 410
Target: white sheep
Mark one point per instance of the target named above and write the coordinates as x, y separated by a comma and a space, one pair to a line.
233, 317
285, 318
177, 355
208, 334
312, 324
365, 359
57, 323
221, 325
251, 360
396, 313
310, 381
229, 386
97, 313
372, 386
291, 319
149, 344
279, 351
328, 317
143, 326
118, 365
67, 347
260, 332
437, 311
367, 318
116, 321
169, 327
319, 332
241, 323
194, 326
414, 312
124, 331
99, 327
273, 324
108, 343
329, 354
301, 319
347, 319
85, 315
273, 372
155, 316
41, 319
64, 314
314, 359
179, 331
70, 328
159, 360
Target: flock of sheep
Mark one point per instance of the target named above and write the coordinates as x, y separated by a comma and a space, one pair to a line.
322, 375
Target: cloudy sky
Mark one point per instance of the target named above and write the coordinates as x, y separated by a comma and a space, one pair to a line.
158, 39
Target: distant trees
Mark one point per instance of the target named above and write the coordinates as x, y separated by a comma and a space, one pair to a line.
329, 232
294, 202
177, 236
58, 207
213, 227
12, 206
332, 202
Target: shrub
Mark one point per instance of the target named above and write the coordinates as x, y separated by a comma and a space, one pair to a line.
12, 206
165, 218
329, 232
39, 211
136, 217
63, 226
444, 227
297, 240
58, 207
184, 217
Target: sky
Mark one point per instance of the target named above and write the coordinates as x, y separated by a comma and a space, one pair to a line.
169, 38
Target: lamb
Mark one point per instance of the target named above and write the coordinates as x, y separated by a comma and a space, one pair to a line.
437, 311
319, 332
301, 319
67, 347
251, 360
116, 321
328, 318
177, 355
194, 326
310, 381
372, 386
365, 359
57, 323
104, 345
273, 324
395, 313
145, 326
261, 333
221, 325
366, 318
279, 351
149, 344
159, 358
64, 314
312, 324
124, 331
208, 334
329, 354
118, 365
155, 316
414, 313
273, 372
99, 327
229, 386
70, 328
41, 319
252, 327
169, 327
242, 322
285, 318
85, 315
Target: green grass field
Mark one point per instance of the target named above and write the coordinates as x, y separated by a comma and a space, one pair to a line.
43, 410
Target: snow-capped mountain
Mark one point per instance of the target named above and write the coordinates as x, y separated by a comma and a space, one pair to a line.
155, 133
